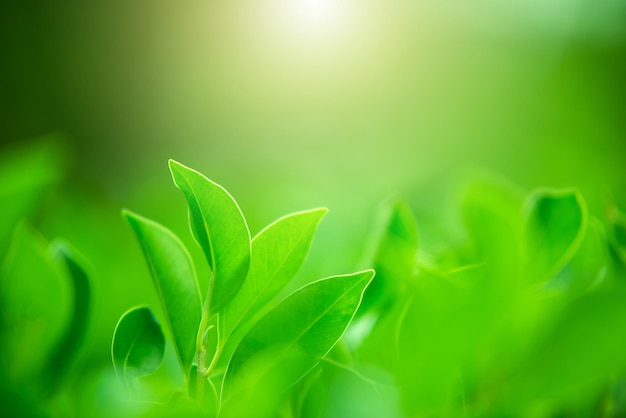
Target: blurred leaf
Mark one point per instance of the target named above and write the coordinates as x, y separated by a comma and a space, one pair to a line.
35, 306
340, 391
440, 328
395, 259
583, 349
261, 401
278, 252
377, 343
175, 279
588, 266
493, 218
25, 173
66, 352
617, 232
555, 228
138, 344
291, 339
221, 230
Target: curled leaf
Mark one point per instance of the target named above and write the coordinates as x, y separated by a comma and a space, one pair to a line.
555, 228
138, 344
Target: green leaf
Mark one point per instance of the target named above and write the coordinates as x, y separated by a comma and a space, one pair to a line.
35, 305
175, 279
343, 391
617, 232
555, 229
278, 252
221, 230
66, 352
492, 213
395, 259
138, 344
440, 324
26, 172
578, 356
292, 338
588, 267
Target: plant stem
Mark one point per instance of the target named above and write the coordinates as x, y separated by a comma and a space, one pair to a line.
201, 351
200, 377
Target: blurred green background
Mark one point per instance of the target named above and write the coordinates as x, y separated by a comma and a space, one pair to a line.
293, 104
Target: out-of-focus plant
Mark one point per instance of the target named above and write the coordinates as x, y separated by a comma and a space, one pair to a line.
520, 312
531, 321
524, 316
45, 294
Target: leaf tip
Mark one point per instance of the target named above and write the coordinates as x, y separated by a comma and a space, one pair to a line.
173, 164
369, 272
130, 216
135, 220
60, 248
322, 211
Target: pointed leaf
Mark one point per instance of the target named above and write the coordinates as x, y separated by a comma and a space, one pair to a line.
278, 252
138, 344
221, 230
292, 338
175, 279
395, 259
555, 228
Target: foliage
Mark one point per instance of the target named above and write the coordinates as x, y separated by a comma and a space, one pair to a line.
275, 347
517, 312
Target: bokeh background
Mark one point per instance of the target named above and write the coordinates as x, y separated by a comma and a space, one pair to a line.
294, 104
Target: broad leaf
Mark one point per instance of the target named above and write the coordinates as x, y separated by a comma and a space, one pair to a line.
175, 279
138, 344
555, 228
221, 230
278, 252
292, 338
395, 259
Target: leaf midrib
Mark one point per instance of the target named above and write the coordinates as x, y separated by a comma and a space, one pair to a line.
167, 311
267, 282
312, 323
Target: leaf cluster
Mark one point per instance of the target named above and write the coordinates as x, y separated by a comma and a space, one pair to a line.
523, 316
231, 338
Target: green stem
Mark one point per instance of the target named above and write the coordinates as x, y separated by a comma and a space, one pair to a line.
201, 350
200, 379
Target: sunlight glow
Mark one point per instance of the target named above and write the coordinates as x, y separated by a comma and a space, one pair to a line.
315, 12
319, 17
